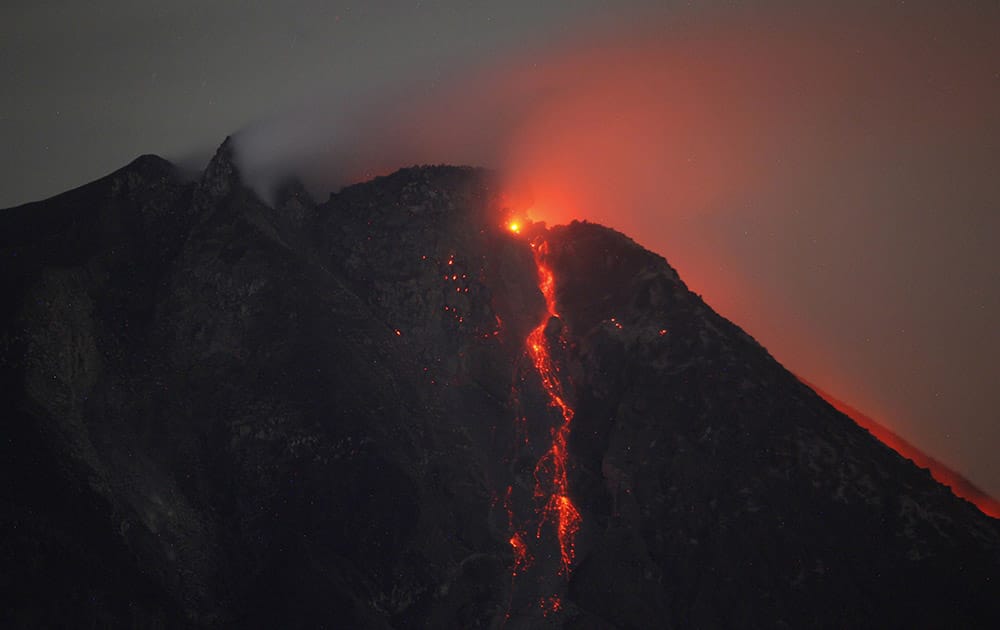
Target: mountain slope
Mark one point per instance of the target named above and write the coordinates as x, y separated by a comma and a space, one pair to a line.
226, 412
957, 482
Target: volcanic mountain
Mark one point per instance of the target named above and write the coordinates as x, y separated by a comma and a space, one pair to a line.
389, 410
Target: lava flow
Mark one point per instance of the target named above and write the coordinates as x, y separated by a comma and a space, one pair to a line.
551, 484
551, 490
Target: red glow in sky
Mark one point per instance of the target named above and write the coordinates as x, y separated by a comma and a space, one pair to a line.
826, 188
824, 176
959, 484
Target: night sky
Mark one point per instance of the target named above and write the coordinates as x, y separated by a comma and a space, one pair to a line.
827, 177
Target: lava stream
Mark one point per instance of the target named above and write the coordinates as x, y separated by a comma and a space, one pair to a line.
551, 484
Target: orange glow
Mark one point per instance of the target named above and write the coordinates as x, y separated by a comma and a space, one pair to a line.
669, 128
958, 484
550, 605
521, 558
551, 482
514, 227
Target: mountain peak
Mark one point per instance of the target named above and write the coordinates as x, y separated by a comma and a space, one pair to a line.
222, 174
149, 166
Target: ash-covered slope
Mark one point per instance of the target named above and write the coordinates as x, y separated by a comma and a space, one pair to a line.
220, 413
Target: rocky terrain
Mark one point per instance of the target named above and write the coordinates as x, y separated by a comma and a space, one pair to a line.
221, 412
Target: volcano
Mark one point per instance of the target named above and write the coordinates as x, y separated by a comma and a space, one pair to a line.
393, 409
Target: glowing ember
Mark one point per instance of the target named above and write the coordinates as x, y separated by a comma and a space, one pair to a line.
550, 605
522, 557
514, 227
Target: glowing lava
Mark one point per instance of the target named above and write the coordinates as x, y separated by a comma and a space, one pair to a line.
553, 507
522, 557
551, 483
550, 605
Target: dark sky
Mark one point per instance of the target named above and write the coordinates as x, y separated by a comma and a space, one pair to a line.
826, 176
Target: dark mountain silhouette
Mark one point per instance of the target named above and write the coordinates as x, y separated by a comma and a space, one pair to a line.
225, 413
959, 483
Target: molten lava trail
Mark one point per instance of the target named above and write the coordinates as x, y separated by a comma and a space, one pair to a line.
551, 484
